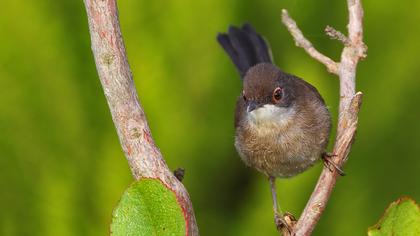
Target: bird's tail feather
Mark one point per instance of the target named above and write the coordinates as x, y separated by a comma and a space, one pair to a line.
245, 47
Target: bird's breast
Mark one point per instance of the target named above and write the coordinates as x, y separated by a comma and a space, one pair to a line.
273, 140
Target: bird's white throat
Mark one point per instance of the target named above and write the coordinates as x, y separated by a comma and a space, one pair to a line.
269, 115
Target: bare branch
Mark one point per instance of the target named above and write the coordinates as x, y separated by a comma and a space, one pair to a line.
335, 34
326, 182
350, 103
143, 156
304, 43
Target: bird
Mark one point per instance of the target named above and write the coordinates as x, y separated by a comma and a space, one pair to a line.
282, 124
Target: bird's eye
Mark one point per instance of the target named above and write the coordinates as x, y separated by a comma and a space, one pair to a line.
277, 95
243, 95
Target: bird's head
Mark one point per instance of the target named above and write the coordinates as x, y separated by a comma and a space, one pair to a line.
268, 93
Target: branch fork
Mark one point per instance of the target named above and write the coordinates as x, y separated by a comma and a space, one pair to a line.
350, 102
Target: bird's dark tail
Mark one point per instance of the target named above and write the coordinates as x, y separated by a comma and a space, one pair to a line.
245, 47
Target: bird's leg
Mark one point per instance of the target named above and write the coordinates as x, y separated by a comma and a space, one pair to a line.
326, 157
279, 217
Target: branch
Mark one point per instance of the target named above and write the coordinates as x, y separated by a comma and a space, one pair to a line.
143, 156
304, 43
335, 34
350, 103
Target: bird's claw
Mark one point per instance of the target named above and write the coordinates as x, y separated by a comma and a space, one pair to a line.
326, 157
285, 221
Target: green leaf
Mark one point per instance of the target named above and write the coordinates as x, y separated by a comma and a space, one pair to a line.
148, 207
402, 217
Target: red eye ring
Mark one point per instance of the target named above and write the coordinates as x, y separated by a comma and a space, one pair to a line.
277, 94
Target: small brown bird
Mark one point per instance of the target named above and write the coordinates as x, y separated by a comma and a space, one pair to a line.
282, 123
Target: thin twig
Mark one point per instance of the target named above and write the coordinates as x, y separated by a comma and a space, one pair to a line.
335, 34
143, 156
304, 43
350, 103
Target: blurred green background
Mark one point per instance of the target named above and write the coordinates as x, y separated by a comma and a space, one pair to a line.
61, 167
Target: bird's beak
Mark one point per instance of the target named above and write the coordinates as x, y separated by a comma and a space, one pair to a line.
252, 105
